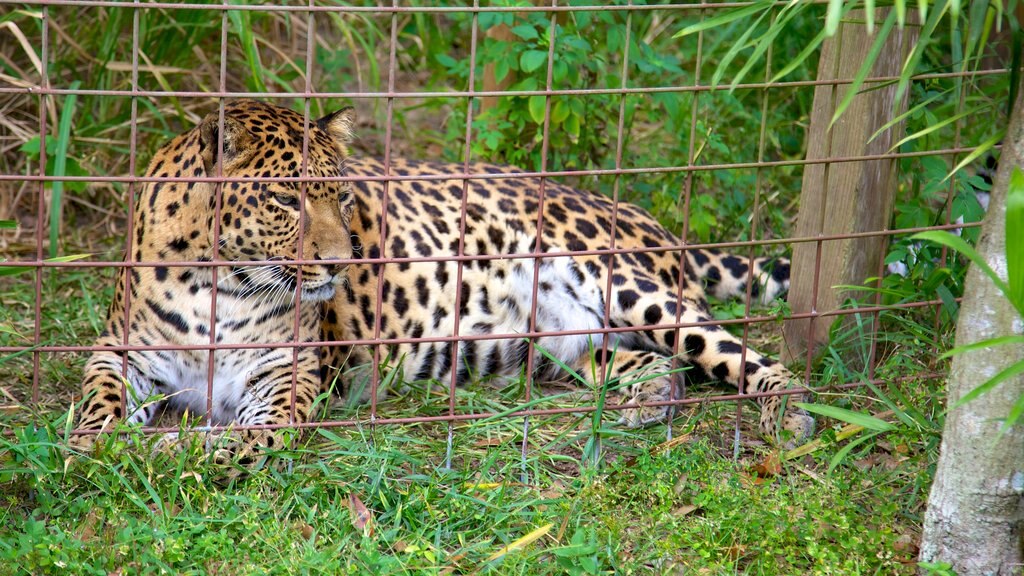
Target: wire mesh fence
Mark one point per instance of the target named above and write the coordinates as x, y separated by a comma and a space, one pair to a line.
601, 98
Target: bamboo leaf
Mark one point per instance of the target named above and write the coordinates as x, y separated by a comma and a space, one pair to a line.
832, 16
924, 39
866, 420
986, 343
907, 114
762, 44
901, 12
1015, 239
982, 148
724, 18
939, 126
845, 450
869, 11
60, 163
738, 46
956, 243
11, 270
1014, 415
869, 62
1009, 372
521, 543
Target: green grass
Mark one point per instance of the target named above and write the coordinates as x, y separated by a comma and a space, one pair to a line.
852, 506
685, 507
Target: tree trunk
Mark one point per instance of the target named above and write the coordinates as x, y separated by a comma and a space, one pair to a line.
844, 197
975, 517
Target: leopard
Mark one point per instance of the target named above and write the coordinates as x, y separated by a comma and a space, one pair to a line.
450, 272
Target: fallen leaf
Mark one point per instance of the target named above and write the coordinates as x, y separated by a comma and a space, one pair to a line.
751, 480
770, 465
735, 551
306, 530
684, 510
666, 446
906, 544
362, 518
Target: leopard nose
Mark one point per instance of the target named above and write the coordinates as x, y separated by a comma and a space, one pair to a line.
333, 267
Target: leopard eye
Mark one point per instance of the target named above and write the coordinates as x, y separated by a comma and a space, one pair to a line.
286, 200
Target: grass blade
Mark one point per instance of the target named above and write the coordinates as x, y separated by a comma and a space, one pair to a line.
849, 416
11, 270
523, 542
845, 450
60, 163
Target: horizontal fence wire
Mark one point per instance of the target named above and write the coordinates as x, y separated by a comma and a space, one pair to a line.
50, 89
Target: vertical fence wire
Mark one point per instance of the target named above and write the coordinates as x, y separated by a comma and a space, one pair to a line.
48, 95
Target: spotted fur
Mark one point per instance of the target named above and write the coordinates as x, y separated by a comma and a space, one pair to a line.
171, 305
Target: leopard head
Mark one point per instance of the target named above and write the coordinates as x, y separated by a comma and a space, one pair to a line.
263, 218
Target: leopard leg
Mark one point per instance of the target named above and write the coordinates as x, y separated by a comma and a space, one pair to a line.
712, 353
103, 388
268, 399
634, 376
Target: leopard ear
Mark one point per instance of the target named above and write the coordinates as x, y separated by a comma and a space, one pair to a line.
238, 142
340, 125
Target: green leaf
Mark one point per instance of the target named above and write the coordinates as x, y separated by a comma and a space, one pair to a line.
911, 112
939, 125
980, 150
536, 107
845, 450
8, 224
725, 18
31, 147
526, 32
866, 420
988, 342
60, 163
1014, 415
11, 270
532, 60
956, 243
869, 62
910, 64
1006, 373
833, 16
1015, 239
738, 46
901, 12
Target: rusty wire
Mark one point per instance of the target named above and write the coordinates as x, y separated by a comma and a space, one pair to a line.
45, 91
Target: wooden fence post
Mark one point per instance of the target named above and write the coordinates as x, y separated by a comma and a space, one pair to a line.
844, 197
